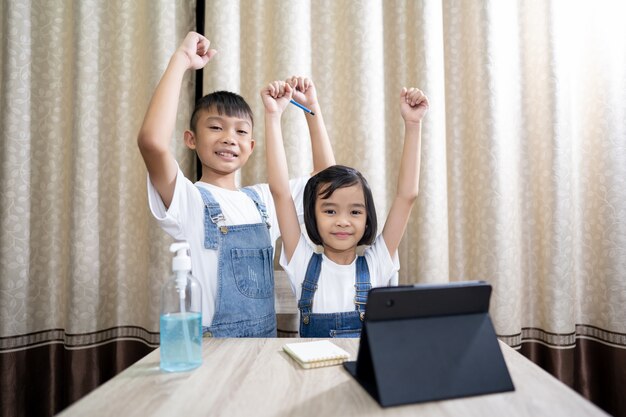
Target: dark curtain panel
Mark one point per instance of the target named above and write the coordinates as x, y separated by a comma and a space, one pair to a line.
41, 374
597, 371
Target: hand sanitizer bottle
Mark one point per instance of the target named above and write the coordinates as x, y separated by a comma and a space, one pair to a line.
181, 315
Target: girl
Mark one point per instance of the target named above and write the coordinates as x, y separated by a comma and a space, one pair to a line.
339, 215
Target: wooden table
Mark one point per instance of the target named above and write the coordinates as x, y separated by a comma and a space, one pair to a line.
254, 377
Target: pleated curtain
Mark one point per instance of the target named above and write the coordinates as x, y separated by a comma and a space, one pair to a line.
81, 260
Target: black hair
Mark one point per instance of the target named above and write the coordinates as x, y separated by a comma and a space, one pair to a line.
225, 103
335, 177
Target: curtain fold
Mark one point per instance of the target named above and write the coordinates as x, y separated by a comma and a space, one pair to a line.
81, 262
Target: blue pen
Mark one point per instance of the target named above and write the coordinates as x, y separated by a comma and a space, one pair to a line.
302, 107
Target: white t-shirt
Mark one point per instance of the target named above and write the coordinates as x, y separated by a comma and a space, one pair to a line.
184, 220
335, 288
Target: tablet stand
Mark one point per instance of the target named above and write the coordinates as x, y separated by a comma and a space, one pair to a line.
433, 357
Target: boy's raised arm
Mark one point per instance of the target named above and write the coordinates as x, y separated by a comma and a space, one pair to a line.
413, 107
276, 98
304, 92
160, 119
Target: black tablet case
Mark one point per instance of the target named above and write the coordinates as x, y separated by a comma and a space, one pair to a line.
429, 342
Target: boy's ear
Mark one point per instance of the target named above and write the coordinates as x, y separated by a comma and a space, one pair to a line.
252, 142
190, 139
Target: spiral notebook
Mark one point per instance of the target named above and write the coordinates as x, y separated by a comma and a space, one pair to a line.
316, 354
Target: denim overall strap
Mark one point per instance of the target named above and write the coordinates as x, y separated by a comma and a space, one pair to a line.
309, 285
340, 324
259, 204
212, 216
244, 303
362, 285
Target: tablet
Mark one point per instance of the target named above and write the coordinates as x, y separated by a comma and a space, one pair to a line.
429, 342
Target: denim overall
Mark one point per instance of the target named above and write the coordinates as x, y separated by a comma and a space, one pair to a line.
343, 324
244, 304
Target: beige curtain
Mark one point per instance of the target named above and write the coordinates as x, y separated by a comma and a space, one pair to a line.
524, 148
81, 261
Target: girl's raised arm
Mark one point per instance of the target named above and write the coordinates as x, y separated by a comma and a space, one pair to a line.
276, 96
413, 107
304, 92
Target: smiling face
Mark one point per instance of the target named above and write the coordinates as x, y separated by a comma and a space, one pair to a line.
223, 144
341, 220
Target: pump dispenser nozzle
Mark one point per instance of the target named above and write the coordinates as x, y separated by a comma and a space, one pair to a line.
182, 260
181, 265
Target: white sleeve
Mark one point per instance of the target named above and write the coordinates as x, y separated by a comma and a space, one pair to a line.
296, 267
186, 205
383, 267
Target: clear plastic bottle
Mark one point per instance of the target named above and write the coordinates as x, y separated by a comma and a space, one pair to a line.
181, 315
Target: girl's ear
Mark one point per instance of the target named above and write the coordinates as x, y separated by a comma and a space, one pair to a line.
190, 139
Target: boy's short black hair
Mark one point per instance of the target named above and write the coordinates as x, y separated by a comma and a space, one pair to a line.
333, 178
225, 103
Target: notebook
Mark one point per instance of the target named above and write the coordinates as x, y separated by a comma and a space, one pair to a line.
316, 354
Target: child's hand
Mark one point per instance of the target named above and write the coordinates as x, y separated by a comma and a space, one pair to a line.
276, 96
413, 105
196, 48
304, 90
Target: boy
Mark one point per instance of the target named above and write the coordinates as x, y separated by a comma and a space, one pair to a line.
228, 229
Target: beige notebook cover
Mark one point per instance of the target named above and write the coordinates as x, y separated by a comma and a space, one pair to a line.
316, 354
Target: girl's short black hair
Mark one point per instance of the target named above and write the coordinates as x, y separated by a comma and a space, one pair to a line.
225, 103
333, 178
